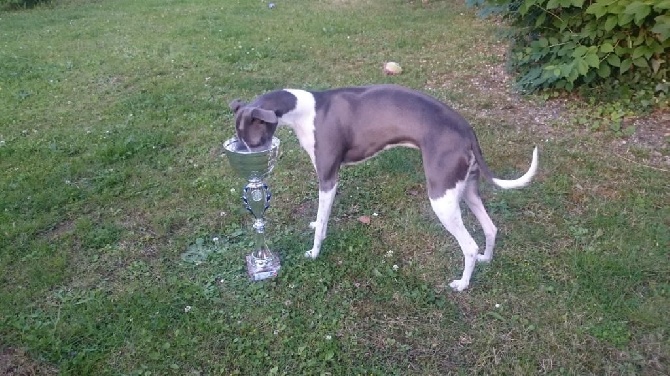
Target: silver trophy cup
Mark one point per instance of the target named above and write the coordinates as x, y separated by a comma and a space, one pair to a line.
254, 166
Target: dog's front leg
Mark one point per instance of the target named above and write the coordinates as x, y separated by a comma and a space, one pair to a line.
326, 198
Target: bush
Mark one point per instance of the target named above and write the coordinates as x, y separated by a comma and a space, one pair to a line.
20, 4
569, 43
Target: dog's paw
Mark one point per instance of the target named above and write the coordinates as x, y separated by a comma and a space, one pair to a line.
312, 225
312, 253
459, 285
484, 258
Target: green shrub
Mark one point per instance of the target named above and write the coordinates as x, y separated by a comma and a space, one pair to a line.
19, 4
569, 43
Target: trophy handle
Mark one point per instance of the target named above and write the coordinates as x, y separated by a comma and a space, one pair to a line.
256, 197
245, 198
268, 196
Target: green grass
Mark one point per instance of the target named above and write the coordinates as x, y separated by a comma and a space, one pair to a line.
113, 188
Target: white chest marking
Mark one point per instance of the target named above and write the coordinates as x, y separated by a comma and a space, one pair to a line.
301, 120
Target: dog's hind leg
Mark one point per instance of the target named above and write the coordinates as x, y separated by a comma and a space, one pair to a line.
320, 226
448, 211
474, 202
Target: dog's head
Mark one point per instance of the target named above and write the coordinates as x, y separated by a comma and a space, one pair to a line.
254, 126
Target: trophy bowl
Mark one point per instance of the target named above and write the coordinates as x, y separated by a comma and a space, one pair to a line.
254, 166
251, 164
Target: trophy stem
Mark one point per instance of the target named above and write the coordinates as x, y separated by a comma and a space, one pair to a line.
262, 263
261, 251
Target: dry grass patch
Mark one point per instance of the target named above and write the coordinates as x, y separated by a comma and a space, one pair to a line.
16, 362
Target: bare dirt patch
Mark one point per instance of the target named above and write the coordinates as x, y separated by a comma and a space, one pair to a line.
15, 362
650, 144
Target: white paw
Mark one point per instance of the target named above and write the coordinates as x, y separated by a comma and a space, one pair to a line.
484, 258
312, 253
459, 285
312, 225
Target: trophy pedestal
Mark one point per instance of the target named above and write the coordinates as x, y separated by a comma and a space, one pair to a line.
262, 268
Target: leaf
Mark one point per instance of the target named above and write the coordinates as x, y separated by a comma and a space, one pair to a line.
582, 66
611, 22
606, 48
634, 7
640, 16
625, 65
625, 19
572, 76
599, 9
654, 47
548, 75
552, 4
640, 39
662, 27
639, 10
364, 219
615, 126
604, 71
592, 60
567, 69
525, 6
622, 51
614, 60
641, 62
629, 130
638, 52
663, 4
579, 51
580, 3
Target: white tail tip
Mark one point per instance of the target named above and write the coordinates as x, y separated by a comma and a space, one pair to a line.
523, 180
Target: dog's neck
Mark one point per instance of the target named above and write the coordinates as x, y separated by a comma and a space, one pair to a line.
304, 110
301, 119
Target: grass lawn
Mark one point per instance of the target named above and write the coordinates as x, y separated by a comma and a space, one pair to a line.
122, 235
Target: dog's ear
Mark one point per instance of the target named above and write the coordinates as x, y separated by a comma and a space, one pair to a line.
265, 115
236, 104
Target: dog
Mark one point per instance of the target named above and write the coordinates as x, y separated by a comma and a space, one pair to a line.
349, 125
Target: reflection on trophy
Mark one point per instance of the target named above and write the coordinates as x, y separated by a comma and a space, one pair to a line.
254, 166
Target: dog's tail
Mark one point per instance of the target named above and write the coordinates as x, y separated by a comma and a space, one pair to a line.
505, 184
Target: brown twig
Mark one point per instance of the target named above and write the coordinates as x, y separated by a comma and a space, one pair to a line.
642, 164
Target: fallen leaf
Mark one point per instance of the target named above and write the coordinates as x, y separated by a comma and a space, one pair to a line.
364, 219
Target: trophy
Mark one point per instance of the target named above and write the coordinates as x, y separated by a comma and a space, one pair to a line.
254, 166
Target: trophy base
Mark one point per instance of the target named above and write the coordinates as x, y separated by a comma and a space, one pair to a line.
260, 269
